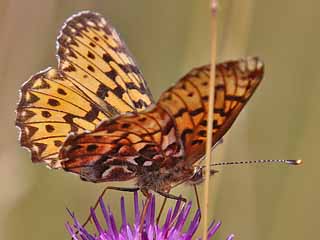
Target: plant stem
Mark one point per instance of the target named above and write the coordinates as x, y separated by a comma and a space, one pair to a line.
213, 9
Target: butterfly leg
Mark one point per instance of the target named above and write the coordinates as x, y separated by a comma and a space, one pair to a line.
171, 196
167, 195
161, 209
102, 194
197, 197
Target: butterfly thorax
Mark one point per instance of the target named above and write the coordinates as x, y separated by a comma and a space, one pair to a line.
163, 179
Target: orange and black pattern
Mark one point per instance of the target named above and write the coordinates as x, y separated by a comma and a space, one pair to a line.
96, 79
121, 148
93, 57
187, 101
50, 107
95, 116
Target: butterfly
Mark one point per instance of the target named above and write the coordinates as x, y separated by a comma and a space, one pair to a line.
95, 116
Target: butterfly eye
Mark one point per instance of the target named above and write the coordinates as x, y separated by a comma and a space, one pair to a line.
197, 176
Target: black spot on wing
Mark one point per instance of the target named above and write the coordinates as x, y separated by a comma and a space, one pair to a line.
90, 68
57, 143
125, 125
167, 128
112, 74
139, 104
53, 102
70, 68
204, 123
235, 98
220, 111
196, 111
185, 133
202, 133
127, 68
107, 58
32, 99
180, 112
130, 85
118, 91
46, 114
205, 98
92, 147
102, 91
61, 91
143, 119
90, 55
49, 128
92, 114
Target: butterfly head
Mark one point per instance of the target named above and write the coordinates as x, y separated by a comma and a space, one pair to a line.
198, 175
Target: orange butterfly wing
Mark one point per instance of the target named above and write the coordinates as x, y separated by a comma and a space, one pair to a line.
168, 136
124, 147
96, 79
94, 58
187, 101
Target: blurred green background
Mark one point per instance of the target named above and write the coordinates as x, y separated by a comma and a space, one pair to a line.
168, 38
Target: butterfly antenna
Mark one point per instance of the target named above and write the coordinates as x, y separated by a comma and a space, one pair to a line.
285, 161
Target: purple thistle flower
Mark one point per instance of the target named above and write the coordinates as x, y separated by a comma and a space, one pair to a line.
171, 229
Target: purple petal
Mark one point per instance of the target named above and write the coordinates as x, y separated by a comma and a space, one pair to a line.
84, 234
113, 226
77, 225
147, 219
123, 212
183, 217
150, 232
104, 212
72, 233
167, 222
194, 224
214, 229
170, 230
144, 236
152, 210
95, 220
136, 209
129, 233
231, 237
176, 209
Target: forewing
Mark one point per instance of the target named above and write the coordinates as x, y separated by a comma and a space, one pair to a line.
94, 58
187, 101
96, 79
